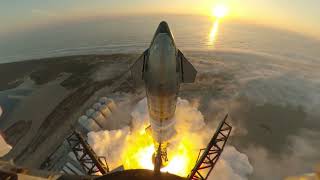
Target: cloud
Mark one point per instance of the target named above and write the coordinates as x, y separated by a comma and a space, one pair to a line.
232, 165
109, 144
302, 156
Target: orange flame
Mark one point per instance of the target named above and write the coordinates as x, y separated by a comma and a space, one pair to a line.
138, 155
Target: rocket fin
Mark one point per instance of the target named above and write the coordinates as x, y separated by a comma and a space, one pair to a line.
187, 72
137, 68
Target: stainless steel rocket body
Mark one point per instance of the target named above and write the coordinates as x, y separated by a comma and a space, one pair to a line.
162, 86
162, 68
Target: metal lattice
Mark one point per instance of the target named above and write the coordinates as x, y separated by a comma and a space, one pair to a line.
210, 155
91, 163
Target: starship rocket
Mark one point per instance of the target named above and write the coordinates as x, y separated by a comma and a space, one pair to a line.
161, 68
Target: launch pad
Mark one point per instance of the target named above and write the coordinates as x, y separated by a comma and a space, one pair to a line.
139, 174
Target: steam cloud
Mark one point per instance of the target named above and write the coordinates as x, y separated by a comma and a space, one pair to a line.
192, 132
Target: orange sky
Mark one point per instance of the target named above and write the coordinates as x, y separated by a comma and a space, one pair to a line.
296, 15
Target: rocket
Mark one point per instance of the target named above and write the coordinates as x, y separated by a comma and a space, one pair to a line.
161, 68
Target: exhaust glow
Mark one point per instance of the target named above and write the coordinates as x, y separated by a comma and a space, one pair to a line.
139, 155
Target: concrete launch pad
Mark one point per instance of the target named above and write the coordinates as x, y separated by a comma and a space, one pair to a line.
139, 174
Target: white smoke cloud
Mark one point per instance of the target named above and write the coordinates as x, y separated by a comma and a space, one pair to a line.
189, 125
188, 117
109, 144
232, 165
303, 154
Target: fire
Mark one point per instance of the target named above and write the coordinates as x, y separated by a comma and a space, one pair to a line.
138, 151
138, 155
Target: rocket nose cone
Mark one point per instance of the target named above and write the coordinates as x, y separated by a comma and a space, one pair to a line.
163, 28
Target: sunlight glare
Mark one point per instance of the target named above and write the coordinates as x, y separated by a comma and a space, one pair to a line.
213, 33
220, 11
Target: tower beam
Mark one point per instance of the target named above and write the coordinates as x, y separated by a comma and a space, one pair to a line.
209, 156
90, 162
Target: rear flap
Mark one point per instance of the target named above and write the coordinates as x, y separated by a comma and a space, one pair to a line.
187, 72
137, 69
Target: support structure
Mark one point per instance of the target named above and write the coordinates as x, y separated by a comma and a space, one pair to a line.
91, 163
159, 157
209, 156
158, 160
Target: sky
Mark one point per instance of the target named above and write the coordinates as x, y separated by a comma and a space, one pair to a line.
297, 15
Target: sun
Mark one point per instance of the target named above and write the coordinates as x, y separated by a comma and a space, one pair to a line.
219, 11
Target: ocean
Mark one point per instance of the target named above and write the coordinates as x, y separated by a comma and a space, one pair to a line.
110, 35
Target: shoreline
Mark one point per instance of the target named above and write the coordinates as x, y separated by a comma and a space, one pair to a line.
53, 123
